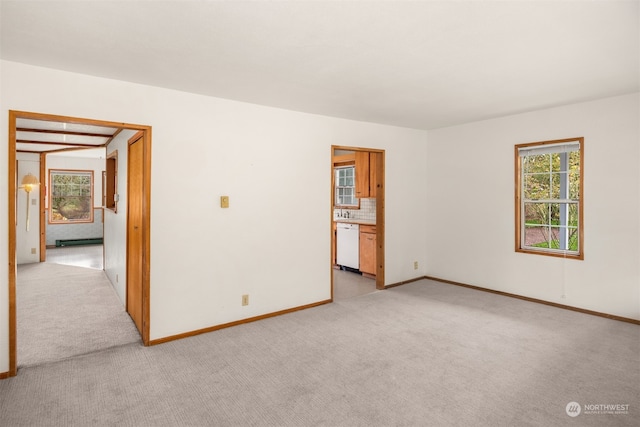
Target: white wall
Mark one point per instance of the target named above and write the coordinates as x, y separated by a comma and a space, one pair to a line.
115, 223
470, 235
274, 241
26, 241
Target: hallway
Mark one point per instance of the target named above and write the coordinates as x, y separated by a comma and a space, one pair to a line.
67, 307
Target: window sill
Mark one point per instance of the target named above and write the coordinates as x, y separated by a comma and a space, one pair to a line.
579, 256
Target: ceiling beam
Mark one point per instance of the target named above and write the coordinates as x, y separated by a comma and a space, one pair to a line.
114, 135
67, 144
65, 132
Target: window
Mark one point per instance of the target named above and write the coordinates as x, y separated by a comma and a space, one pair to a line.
549, 198
71, 196
345, 186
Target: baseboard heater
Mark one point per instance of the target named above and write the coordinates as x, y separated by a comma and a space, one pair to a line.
78, 242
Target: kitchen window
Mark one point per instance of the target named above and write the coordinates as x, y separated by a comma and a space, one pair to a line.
345, 186
549, 202
71, 196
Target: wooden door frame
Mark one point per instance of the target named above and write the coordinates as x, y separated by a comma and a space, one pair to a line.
139, 137
380, 212
12, 194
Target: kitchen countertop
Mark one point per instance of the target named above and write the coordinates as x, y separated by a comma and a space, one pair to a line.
355, 221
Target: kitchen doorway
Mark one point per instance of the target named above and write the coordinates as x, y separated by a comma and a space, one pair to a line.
357, 221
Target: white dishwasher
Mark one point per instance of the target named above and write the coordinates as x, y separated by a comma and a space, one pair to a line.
348, 245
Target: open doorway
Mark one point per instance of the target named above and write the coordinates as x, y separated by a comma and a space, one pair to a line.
39, 134
67, 310
357, 221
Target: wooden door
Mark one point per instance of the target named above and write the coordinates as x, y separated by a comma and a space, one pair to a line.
135, 230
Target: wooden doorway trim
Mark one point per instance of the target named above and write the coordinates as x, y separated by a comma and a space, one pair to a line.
380, 210
12, 194
43, 220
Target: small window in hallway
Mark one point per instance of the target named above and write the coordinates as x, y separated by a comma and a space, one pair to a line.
70, 196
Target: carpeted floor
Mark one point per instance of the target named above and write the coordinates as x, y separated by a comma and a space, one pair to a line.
65, 311
421, 354
89, 256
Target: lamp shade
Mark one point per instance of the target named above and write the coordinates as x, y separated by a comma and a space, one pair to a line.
28, 182
29, 179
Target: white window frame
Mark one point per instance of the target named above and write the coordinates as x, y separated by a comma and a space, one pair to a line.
339, 198
563, 200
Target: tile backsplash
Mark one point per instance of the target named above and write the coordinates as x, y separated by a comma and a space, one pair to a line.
366, 212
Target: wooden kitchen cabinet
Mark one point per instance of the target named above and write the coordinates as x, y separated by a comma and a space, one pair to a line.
366, 174
373, 158
362, 174
368, 250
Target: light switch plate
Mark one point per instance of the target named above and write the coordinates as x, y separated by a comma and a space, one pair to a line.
224, 201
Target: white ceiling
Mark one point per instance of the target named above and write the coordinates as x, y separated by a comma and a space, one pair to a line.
421, 64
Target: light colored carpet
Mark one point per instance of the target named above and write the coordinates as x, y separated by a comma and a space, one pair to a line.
421, 354
64, 311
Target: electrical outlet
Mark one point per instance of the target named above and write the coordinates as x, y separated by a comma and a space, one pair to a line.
415, 265
33, 251
245, 299
224, 202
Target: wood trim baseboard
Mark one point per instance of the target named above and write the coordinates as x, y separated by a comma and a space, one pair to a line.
236, 323
404, 282
539, 301
4, 375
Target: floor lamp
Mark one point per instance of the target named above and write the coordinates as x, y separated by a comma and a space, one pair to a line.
28, 183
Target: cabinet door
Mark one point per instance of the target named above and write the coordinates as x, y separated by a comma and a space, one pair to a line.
368, 253
373, 158
362, 174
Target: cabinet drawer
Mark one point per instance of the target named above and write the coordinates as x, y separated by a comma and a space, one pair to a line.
367, 229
